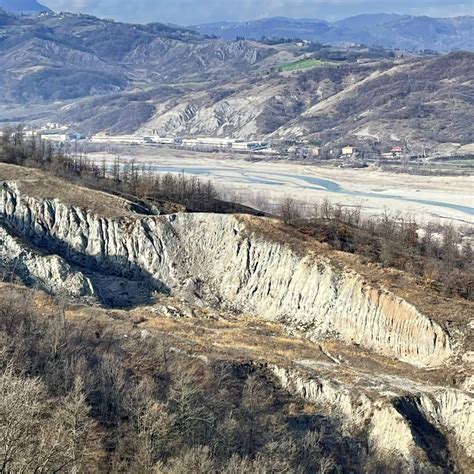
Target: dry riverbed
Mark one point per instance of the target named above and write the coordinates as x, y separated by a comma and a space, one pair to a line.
264, 183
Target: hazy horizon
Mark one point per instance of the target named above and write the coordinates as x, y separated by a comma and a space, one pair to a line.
192, 12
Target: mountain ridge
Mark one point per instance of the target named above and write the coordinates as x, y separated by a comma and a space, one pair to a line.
23, 6
383, 29
105, 76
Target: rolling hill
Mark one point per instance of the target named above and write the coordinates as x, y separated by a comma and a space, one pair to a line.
99, 75
424, 103
23, 6
388, 30
61, 57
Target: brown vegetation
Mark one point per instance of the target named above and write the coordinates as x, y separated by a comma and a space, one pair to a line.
148, 192
437, 255
94, 400
434, 252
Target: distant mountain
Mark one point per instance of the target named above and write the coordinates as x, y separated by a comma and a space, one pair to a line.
365, 21
388, 30
102, 75
23, 6
67, 56
269, 27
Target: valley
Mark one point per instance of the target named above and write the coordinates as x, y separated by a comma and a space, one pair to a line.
267, 183
243, 247
171, 81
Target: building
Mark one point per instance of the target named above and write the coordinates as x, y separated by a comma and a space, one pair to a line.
215, 142
304, 152
61, 137
30, 133
348, 151
207, 142
396, 152
161, 140
55, 126
249, 146
118, 139
223, 143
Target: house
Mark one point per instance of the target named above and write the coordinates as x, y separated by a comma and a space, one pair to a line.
396, 152
348, 151
304, 152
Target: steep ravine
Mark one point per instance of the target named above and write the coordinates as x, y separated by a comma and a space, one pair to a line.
219, 257
415, 422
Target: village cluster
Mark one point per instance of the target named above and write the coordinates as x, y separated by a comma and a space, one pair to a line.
60, 134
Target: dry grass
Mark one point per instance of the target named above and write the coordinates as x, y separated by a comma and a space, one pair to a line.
43, 185
215, 334
452, 313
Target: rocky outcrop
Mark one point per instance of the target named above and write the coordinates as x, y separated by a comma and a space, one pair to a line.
50, 273
387, 429
219, 257
238, 114
453, 409
419, 422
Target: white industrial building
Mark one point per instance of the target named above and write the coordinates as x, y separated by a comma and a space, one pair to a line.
195, 142
61, 137
119, 139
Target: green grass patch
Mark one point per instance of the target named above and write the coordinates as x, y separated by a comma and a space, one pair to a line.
302, 64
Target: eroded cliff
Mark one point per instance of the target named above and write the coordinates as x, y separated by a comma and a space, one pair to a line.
50, 273
385, 373
220, 258
401, 417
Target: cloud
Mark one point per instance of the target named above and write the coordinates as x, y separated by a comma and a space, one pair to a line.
188, 12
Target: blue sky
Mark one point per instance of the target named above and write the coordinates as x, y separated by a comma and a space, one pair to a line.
189, 12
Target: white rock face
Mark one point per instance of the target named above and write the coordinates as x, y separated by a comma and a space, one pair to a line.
220, 258
236, 267
387, 415
48, 272
453, 409
195, 115
388, 431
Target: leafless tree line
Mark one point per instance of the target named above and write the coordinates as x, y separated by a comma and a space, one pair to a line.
125, 178
439, 253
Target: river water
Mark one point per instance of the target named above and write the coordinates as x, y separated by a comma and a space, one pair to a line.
305, 182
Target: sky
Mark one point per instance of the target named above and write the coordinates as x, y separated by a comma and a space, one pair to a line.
193, 12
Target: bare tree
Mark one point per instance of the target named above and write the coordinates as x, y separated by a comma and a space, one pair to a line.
38, 436
79, 443
155, 439
197, 460
288, 210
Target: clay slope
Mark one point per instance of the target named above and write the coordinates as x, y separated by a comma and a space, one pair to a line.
222, 259
390, 362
